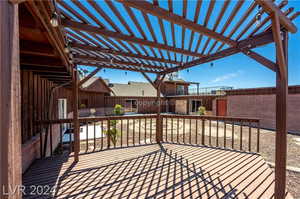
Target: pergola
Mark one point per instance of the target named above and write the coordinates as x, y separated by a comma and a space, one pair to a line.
155, 37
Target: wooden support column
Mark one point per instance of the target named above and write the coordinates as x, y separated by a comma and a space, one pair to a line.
159, 118
75, 115
10, 103
281, 107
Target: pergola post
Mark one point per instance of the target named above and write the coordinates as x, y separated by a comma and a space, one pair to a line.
75, 115
159, 119
281, 107
10, 102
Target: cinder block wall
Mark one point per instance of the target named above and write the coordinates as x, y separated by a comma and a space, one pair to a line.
264, 108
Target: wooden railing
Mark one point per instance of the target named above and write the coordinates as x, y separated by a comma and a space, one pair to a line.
227, 132
100, 133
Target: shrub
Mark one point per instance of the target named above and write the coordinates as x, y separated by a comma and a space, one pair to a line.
118, 110
113, 132
202, 110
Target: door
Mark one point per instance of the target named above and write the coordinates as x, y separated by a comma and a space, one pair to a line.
221, 107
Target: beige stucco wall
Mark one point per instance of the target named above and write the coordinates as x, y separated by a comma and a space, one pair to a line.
181, 106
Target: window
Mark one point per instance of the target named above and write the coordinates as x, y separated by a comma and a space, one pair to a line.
180, 90
131, 105
62, 111
194, 105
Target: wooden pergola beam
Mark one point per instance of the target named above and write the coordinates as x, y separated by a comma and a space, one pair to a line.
115, 67
89, 76
114, 61
171, 17
35, 48
41, 61
272, 9
114, 52
278, 44
261, 59
247, 44
149, 80
96, 30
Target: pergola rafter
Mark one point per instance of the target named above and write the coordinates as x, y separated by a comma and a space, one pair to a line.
168, 58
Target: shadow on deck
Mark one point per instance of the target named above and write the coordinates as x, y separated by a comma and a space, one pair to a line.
153, 171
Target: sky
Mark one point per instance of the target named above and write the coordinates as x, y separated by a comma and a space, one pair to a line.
238, 71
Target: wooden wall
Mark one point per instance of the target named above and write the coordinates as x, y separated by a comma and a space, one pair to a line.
35, 96
145, 104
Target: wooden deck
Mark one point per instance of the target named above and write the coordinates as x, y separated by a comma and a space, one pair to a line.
154, 171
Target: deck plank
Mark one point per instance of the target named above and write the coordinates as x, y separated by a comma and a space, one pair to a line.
155, 171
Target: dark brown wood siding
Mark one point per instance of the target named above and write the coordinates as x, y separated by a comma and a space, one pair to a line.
145, 104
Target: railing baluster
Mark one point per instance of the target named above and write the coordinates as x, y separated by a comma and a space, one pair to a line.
203, 131
51, 141
172, 129
178, 130
196, 134
232, 135
87, 136
115, 128
108, 136
151, 130
127, 132
94, 135
121, 132
133, 131
258, 137
209, 132
60, 137
71, 140
145, 137
241, 136
217, 132
183, 129
250, 136
140, 131
41, 143
190, 136
102, 134
225, 133
166, 128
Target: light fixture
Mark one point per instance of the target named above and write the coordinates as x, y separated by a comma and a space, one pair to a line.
125, 72
104, 70
54, 20
211, 64
67, 47
258, 16
188, 70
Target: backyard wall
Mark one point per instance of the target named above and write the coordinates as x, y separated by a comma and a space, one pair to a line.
144, 104
261, 103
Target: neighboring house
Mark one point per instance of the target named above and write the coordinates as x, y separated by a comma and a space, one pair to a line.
135, 97
92, 93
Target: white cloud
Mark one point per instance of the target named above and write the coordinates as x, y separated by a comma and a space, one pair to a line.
227, 76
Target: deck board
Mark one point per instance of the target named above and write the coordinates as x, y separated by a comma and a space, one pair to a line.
155, 171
